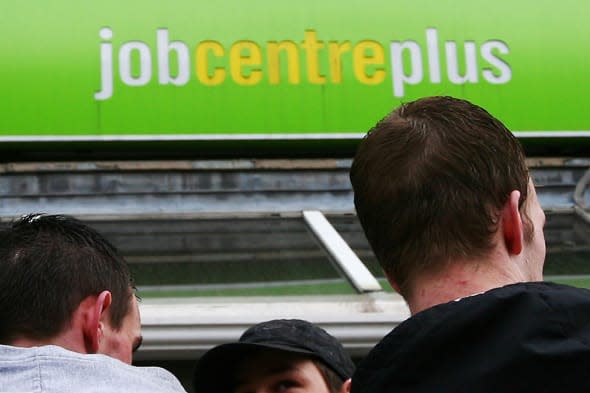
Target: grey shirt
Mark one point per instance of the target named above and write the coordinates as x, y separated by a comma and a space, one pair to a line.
52, 369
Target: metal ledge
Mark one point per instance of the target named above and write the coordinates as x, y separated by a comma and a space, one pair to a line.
186, 328
224, 186
338, 136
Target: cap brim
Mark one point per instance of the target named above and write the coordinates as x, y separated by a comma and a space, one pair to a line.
215, 369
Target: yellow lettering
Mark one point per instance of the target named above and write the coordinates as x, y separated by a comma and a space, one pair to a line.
202, 63
335, 51
274, 66
369, 53
312, 46
245, 60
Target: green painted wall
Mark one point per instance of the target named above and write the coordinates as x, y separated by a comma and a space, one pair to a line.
281, 67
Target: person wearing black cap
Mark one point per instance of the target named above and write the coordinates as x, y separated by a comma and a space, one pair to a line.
281, 355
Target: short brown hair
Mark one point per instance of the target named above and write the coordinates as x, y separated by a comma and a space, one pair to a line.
429, 181
48, 265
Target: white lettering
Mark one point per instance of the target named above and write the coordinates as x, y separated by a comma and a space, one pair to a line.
433, 55
106, 65
164, 49
145, 63
453, 63
398, 76
504, 72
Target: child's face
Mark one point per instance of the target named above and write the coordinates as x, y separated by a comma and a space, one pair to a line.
270, 371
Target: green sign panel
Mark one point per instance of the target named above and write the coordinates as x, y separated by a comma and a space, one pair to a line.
209, 68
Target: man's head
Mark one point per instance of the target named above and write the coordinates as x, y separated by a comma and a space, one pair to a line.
61, 278
277, 356
431, 181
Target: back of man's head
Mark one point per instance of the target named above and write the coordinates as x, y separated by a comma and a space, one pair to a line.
48, 265
429, 181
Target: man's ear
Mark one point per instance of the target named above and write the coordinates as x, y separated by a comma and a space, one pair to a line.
93, 327
346, 386
512, 227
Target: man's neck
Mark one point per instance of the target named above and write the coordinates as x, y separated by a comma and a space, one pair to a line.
459, 280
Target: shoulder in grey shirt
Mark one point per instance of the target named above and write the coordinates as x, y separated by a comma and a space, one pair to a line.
52, 369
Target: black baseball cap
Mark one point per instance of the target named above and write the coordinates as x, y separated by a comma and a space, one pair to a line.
216, 368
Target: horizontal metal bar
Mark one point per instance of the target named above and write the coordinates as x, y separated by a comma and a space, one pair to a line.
220, 165
182, 137
185, 328
251, 137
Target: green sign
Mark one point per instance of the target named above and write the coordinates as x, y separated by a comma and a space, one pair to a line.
115, 68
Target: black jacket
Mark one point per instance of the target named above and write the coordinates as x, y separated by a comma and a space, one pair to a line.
530, 337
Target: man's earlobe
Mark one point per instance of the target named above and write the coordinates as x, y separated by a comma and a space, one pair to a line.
93, 328
512, 226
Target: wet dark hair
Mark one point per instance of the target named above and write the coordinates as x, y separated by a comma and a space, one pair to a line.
48, 265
